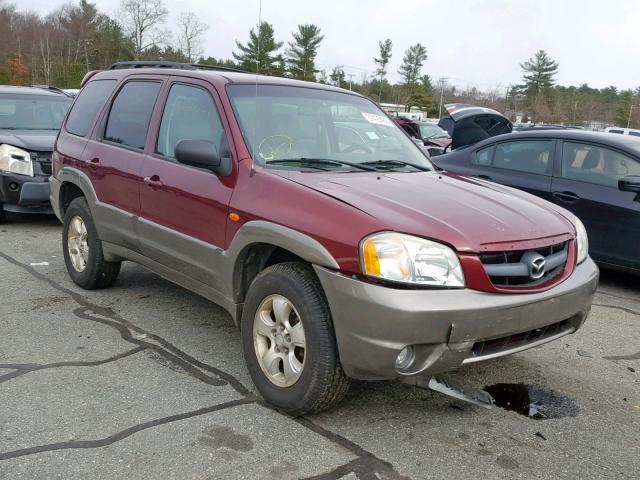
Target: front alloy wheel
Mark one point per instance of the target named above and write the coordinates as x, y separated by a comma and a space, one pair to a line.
279, 340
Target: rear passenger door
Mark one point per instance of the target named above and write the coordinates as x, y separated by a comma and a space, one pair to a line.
525, 164
586, 183
114, 159
184, 208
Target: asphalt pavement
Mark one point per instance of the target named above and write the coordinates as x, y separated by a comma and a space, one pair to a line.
147, 380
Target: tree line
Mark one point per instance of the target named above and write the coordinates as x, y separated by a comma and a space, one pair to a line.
59, 48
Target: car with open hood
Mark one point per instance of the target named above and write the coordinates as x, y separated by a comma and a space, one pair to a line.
469, 124
29, 121
316, 222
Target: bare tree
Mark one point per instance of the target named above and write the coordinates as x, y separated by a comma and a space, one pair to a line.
142, 20
190, 31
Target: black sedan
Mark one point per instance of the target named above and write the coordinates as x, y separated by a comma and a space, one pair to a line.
594, 175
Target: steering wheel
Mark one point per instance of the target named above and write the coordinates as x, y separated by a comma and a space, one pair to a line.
275, 146
358, 148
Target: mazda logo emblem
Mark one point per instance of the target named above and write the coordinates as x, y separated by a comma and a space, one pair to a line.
536, 265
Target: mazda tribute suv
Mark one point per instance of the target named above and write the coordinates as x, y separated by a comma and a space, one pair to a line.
316, 222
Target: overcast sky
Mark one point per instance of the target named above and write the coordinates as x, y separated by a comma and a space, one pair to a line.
472, 42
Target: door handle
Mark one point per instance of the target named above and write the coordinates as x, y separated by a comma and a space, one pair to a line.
566, 196
153, 181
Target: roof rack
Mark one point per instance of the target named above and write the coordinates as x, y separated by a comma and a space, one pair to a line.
53, 89
167, 64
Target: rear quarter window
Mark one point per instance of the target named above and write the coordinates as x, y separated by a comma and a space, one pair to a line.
87, 106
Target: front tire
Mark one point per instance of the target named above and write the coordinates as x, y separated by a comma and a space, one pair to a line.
82, 249
289, 343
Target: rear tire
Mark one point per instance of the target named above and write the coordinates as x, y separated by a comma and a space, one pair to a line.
313, 380
3, 214
82, 249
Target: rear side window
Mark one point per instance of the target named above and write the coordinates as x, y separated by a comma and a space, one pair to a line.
87, 105
634, 134
130, 114
190, 114
616, 131
483, 157
531, 156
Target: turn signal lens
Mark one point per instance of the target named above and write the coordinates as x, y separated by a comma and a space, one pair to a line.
371, 261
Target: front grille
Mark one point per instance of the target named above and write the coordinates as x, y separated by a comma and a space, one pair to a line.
520, 268
494, 347
44, 160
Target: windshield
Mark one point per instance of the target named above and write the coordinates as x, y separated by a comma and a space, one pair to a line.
432, 131
284, 124
32, 112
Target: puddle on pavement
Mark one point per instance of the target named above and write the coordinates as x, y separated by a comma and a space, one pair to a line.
532, 401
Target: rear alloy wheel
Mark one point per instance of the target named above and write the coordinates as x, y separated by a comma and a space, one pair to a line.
288, 340
78, 244
83, 249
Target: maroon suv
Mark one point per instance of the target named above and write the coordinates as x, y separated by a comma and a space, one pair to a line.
316, 222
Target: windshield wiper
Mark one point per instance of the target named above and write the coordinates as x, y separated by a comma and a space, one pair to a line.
315, 162
397, 163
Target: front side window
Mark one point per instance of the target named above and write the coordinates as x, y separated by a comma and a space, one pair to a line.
87, 104
130, 114
283, 125
189, 114
594, 164
616, 131
531, 156
32, 112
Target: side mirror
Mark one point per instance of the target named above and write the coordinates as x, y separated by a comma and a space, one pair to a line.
630, 183
202, 154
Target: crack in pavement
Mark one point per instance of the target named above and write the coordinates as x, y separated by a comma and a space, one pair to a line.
616, 307
23, 369
103, 442
366, 466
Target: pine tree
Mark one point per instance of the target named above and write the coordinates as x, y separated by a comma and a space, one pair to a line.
259, 54
337, 76
302, 52
538, 73
412, 62
382, 62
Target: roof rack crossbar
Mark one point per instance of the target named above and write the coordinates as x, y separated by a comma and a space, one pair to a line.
167, 64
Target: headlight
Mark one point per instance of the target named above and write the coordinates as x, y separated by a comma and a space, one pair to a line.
582, 240
15, 160
412, 260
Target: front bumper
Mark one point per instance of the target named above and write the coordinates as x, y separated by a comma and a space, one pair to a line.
23, 194
447, 328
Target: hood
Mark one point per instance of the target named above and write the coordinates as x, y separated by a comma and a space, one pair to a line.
470, 214
468, 124
39, 140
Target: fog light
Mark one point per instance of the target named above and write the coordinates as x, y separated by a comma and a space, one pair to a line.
13, 186
405, 358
